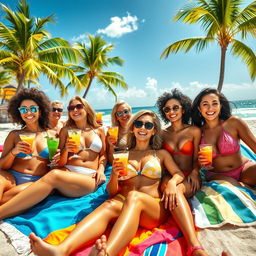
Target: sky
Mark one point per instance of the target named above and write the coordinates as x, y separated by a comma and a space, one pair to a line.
140, 31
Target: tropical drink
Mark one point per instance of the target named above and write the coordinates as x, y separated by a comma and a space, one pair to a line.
52, 144
113, 131
29, 138
122, 157
75, 136
206, 151
99, 117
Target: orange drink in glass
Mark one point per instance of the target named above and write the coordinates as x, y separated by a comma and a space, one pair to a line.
99, 117
122, 157
113, 131
29, 138
206, 151
75, 135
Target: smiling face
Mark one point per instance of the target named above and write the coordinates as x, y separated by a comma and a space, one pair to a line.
123, 114
54, 113
141, 132
32, 114
77, 111
173, 110
210, 107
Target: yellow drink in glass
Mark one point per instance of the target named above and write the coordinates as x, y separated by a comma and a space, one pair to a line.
123, 158
29, 138
99, 117
206, 150
113, 131
75, 135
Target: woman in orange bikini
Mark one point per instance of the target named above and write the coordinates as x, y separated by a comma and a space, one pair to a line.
181, 140
135, 198
212, 113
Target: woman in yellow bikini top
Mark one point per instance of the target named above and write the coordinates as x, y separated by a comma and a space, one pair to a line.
134, 204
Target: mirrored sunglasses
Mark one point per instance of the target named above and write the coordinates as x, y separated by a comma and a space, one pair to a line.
32, 109
77, 106
124, 112
57, 109
147, 125
175, 108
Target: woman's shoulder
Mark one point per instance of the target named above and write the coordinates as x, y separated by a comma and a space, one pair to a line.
194, 129
233, 121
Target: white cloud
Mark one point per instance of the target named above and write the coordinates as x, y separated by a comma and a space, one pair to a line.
151, 84
120, 26
79, 38
132, 93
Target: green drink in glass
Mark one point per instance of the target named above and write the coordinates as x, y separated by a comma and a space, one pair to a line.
52, 144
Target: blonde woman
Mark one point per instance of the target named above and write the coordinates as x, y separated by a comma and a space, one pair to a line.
76, 176
136, 203
120, 116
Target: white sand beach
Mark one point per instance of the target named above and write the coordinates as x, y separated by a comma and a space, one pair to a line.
237, 241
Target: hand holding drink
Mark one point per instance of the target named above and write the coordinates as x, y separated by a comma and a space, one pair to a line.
122, 157
52, 144
99, 117
29, 138
205, 155
113, 132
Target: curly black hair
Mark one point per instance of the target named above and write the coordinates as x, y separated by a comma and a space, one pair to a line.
30, 94
184, 100
225, 112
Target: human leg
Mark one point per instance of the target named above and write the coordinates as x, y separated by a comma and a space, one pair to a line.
139, 209
68, 183
183, 217
89, 228
248, 175
7, 181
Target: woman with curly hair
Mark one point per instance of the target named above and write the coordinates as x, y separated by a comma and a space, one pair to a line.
135, 198
212, 113
181, 140
120, 116
75, 176
30, 109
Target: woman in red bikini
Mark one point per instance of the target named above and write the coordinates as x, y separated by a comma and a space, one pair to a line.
211, 111
181, 140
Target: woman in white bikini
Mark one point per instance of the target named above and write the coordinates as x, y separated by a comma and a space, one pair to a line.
136, 203
77, 176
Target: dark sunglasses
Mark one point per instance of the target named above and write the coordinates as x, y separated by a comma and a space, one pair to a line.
175, 108
32, 109
147, 125
77, 106
124, 112
57, 109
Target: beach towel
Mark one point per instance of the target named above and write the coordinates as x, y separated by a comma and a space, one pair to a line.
55, 217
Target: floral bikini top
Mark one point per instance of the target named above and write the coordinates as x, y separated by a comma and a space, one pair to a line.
151, 169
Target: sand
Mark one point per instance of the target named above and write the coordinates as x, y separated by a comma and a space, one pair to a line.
237, 241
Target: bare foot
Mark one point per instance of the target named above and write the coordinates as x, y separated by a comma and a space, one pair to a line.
41, 248
100, 247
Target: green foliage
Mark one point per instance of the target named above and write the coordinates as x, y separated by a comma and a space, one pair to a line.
222, 21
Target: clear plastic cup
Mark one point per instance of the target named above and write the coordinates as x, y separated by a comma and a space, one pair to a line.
206, 151
122, 157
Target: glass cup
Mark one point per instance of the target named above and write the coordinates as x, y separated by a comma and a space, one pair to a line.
29, 138
75, 135
122, 157
206, 151
53, 144
113, 131
99, 117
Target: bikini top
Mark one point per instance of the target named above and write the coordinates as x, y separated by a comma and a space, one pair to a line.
227, 144
151, 169
44, 154
187, 149
96, 144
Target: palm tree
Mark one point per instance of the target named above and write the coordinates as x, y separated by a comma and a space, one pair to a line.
5, 77
27, 49
94, 58
222, 20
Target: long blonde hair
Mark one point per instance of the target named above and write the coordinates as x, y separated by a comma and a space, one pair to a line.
155, 141
114, 120
91, 117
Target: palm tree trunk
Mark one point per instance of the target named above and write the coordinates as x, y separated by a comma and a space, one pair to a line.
88, 87
21, 78
222, 68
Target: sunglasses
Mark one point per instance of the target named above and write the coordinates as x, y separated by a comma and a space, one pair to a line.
124, 112
77, 106
32, 109
175, 108
57, 109
147, 125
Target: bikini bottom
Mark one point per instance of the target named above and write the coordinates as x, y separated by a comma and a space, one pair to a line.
235, 174
79, 169
123, 197
22, 178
